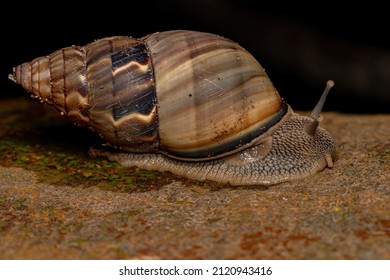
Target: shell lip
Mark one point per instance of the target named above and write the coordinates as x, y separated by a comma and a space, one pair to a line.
240, 143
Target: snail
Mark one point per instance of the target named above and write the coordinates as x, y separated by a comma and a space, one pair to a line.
195, 104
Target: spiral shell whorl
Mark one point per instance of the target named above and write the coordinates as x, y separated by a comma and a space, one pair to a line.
107, 85
189, 95
122, 94
59, 80
213, 96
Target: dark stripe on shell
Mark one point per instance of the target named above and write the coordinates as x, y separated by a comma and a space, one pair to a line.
233, 144
128, 64
134, 111
137, 53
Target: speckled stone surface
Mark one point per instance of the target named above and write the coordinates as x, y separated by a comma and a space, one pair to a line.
340, 213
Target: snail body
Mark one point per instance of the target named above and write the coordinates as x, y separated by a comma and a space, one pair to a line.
192, 103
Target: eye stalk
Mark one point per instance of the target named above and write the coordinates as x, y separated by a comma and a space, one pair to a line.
315, 115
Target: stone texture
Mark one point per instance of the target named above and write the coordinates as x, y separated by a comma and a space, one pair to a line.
340, 213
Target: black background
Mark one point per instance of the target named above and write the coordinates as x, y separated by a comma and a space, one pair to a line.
299, 46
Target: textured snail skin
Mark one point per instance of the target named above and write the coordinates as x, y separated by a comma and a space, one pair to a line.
192, 103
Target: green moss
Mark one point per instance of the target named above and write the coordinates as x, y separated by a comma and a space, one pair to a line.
77, 169
20, 203
57, 152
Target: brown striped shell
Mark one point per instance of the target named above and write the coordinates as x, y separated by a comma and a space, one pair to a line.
187, 94
198, 98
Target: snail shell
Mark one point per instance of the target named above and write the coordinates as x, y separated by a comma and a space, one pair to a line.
192, 103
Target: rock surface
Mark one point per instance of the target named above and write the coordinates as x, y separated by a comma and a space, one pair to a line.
340, 213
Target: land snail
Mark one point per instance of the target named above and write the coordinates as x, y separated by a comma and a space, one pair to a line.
194, 104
